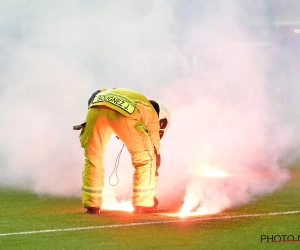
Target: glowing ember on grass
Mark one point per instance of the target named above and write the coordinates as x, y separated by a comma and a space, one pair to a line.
113, 204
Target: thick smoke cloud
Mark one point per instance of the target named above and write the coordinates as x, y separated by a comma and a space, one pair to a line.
231, 86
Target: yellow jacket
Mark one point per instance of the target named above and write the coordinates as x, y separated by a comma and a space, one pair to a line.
134, 105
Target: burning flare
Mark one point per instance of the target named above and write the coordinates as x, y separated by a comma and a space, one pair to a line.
194, 193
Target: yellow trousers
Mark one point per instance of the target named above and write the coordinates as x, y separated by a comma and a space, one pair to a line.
101, 123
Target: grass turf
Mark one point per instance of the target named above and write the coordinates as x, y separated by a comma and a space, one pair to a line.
23, 211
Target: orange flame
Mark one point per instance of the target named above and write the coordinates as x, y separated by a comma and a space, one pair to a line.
213, 172
206, 170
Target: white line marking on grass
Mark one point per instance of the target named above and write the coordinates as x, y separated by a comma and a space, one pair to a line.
149, 223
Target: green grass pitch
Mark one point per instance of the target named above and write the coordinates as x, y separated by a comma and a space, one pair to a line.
31, 221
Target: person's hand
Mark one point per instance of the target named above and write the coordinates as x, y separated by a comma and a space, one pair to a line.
158, 159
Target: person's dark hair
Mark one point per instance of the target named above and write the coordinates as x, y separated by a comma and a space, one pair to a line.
155, 106
92, 97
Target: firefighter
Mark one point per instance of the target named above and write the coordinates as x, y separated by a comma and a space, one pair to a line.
140, 124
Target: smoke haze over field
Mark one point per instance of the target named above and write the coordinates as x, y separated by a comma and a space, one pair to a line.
227, 72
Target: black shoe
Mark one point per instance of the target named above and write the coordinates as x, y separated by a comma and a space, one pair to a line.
145, 210
93, 210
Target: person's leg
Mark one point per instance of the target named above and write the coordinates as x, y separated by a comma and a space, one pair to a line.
94, 138
136, 138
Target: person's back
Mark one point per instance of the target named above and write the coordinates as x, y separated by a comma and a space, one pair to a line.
135, 121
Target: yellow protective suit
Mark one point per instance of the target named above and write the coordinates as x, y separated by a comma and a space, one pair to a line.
130, 116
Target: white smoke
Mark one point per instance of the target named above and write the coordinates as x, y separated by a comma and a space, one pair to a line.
232, 107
